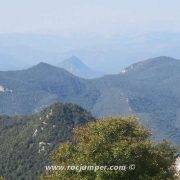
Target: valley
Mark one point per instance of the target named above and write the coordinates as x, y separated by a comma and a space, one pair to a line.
148, 89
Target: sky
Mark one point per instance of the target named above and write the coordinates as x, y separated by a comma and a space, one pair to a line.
104, 17
105, 34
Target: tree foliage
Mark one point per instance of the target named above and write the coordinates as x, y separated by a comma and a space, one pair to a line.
114, 142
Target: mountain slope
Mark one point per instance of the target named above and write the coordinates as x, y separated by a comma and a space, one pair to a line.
26, 141
149, 89
153, 90
29, 90
78, 68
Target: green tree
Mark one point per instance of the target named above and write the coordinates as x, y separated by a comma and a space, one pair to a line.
114, 142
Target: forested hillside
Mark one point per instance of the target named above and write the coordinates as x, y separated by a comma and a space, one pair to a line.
149, 89
26, 141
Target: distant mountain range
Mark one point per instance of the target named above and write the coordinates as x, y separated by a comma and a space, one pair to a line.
109, 53
75, 66
149, 89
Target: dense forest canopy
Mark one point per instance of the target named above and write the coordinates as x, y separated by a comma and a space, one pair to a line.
114, 142
26, 141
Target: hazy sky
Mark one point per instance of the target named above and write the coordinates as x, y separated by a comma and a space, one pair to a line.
87, 16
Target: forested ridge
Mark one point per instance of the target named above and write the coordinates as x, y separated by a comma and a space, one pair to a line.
26, 141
